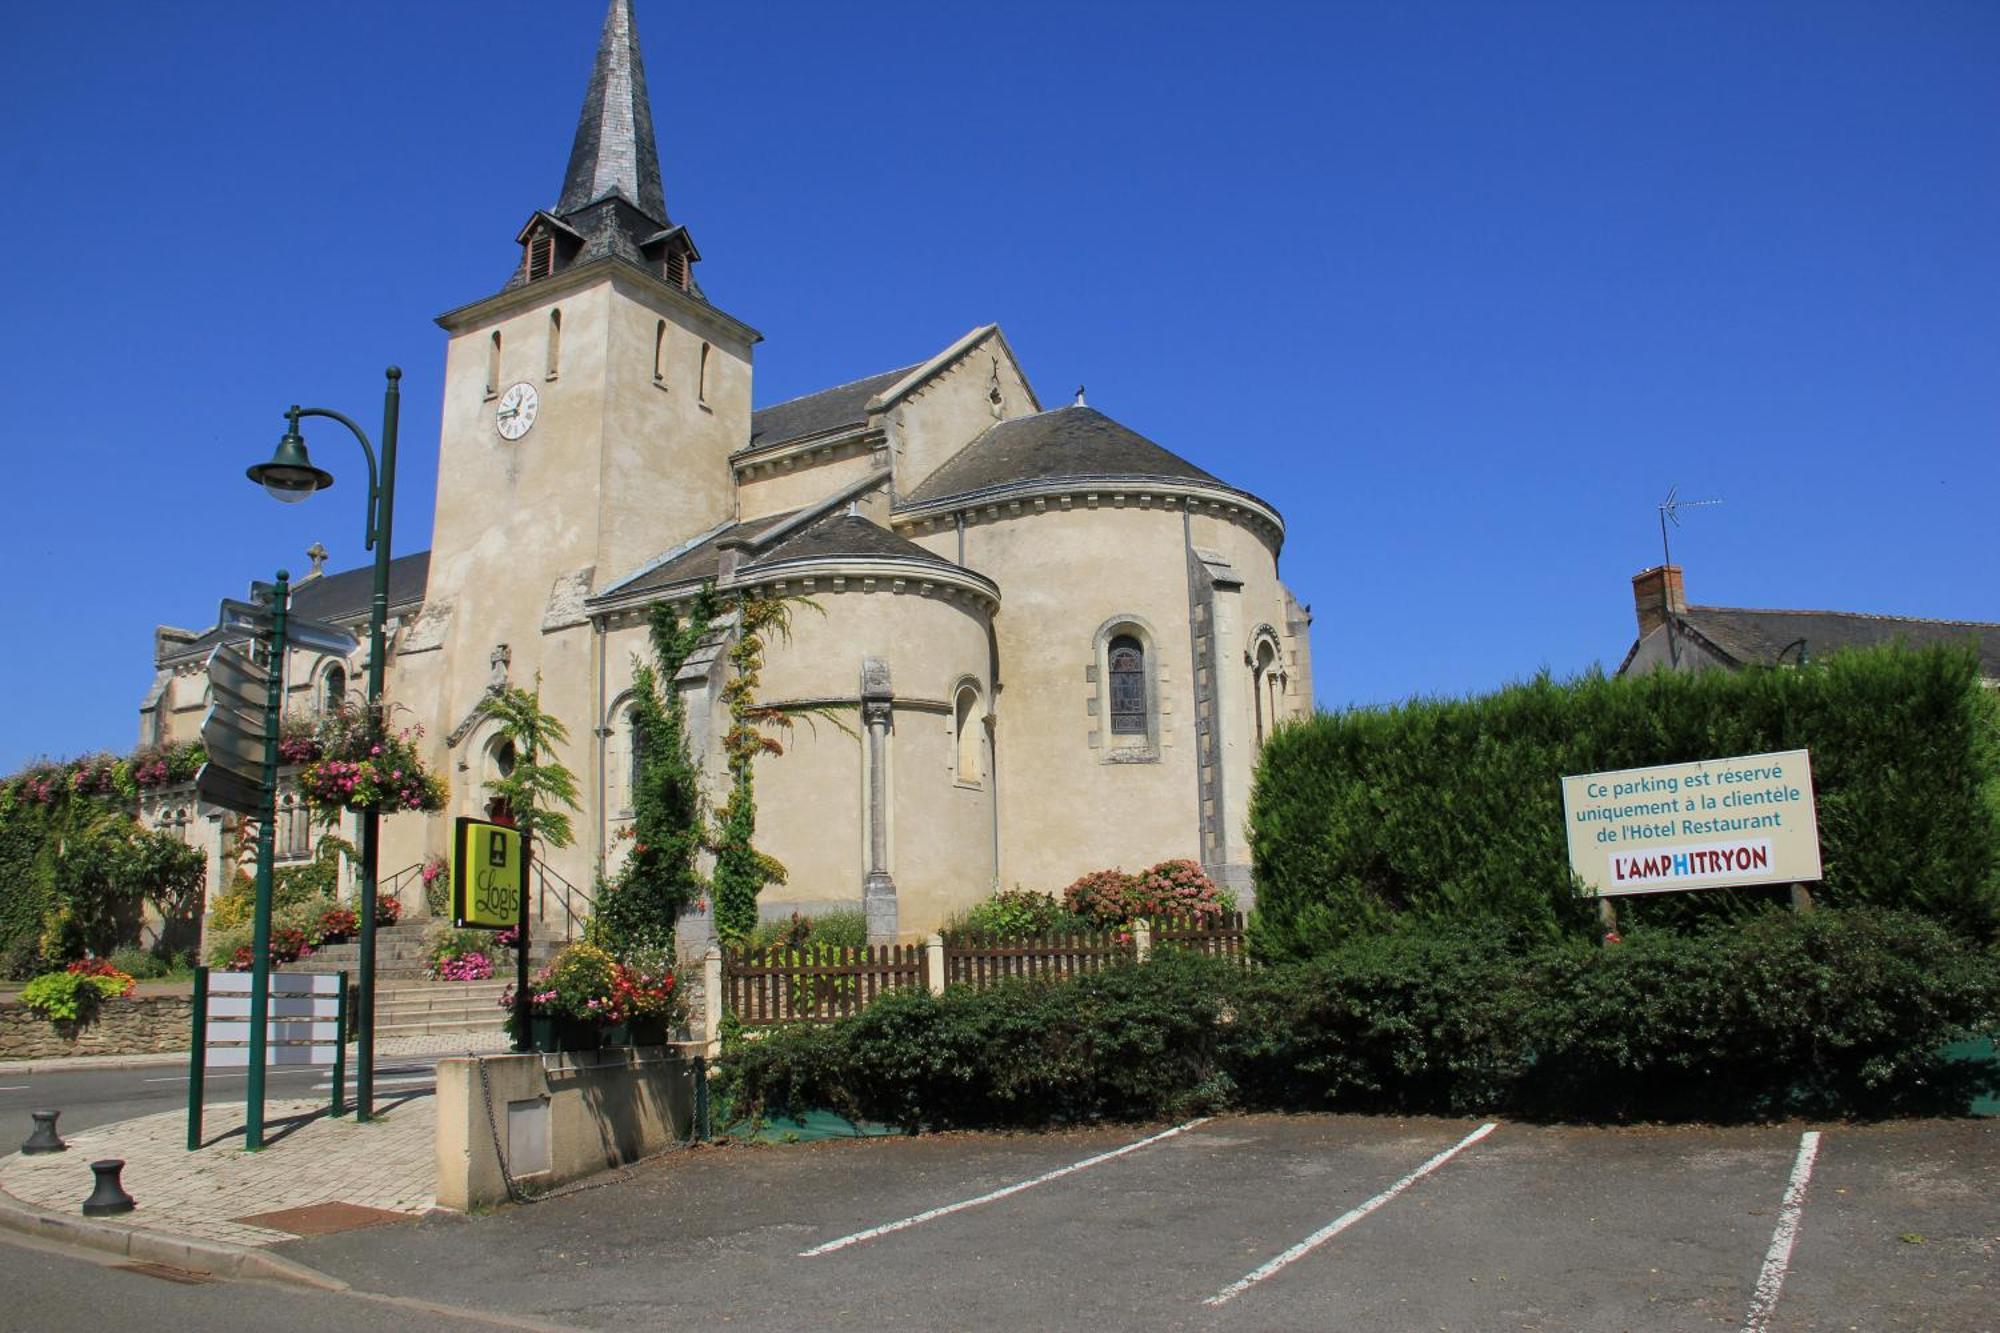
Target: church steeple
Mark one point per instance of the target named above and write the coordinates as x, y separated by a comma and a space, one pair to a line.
612, 203
614, 152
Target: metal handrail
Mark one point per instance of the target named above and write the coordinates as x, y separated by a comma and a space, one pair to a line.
570, 894
393, 885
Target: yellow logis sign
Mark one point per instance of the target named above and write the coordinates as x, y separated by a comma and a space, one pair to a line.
486, 875
1706, 824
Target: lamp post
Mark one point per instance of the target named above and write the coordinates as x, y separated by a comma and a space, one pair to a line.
290, 477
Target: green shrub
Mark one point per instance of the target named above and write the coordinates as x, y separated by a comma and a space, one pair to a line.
1128, 1043
142, 963
1825, 1013
1452, 809
1422, 1021
225, 945
828, 930
1018, 914
70, 997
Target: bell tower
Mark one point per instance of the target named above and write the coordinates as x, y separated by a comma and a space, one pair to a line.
590, 408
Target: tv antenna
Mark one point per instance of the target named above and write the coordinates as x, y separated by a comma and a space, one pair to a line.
1670, 512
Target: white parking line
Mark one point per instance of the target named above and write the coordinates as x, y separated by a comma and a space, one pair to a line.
1771, 1280
15, 1087
1344, 1221
1043, 1179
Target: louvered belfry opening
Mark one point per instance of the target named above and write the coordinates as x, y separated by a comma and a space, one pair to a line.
677, 268
541, 255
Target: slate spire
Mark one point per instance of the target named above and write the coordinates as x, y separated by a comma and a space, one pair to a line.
614, 152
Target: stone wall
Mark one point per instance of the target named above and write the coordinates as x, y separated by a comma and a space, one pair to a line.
556, 1117
141, 1025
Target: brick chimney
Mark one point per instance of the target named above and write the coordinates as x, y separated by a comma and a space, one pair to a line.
1656, 594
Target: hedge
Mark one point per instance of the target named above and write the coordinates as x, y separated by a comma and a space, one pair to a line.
1452, 808
1825, 1013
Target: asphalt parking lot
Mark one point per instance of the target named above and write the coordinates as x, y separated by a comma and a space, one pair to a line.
1250, 1222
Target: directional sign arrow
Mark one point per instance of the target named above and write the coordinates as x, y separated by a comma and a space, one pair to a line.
218, 786
230, 745
243, 620
237, 683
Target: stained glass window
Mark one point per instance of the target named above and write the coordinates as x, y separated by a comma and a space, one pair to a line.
1128, 687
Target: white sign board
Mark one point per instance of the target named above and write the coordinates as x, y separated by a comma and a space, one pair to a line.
1710, 823
300, 1019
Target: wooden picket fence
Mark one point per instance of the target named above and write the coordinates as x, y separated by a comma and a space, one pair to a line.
1228, 938
980, 961
819, 985
816, 985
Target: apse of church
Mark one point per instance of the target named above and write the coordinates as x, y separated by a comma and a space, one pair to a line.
1043, 644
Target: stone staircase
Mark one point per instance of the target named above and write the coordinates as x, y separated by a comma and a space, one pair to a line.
407, 1002
426, 1008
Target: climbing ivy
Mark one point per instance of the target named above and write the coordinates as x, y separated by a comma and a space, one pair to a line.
741, 871
661, 877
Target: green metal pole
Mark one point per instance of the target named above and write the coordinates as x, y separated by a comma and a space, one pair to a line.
382, 512
340, 1050
260, 940
522, 945
197, 1056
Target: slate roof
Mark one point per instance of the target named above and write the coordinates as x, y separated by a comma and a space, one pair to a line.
844, 534
1755, 637
701, 561
1067, 443
341, 597
818, 413
614, 150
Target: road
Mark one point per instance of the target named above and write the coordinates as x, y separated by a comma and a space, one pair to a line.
1369, 1224
52, 1288
91, 1097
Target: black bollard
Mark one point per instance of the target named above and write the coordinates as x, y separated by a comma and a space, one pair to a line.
44, 1139
109, 1198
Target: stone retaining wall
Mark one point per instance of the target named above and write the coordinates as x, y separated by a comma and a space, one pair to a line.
141, 1025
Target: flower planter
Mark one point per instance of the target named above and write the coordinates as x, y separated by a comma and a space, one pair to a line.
542, 1033
548, 1033
618, 1034
648, 1031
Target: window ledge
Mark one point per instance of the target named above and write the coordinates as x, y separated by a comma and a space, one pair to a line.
1131, 755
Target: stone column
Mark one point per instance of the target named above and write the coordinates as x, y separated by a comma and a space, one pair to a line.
878, 890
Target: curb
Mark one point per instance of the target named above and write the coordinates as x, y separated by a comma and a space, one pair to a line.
73, 1063
216, 1258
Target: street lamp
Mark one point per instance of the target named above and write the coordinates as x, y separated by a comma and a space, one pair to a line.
290, 477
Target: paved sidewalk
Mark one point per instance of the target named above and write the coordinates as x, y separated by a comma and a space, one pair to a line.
390, 1163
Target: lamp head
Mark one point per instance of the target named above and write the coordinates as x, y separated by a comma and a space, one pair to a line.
290, 475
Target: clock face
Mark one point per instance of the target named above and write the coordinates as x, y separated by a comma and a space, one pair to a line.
516, 412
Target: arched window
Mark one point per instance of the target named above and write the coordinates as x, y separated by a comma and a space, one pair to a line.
660, 354
1264, 700
504, 759
293, 838
966, 726
333, 689
555, 343
1125, 664
701, 382
621, 761
493, 365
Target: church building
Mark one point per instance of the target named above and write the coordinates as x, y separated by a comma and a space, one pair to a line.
1057, 643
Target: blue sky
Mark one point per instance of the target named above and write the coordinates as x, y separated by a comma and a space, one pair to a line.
1464, 288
